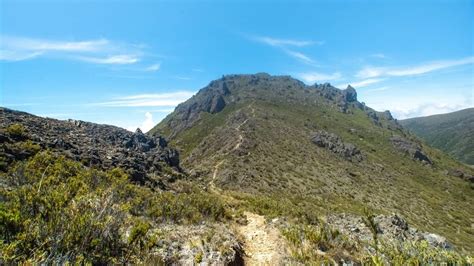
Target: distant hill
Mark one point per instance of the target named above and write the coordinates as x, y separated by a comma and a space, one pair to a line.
452, 133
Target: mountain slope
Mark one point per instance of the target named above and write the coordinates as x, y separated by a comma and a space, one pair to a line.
451, 133
275, 142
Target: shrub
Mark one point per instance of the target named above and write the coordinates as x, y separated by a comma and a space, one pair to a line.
56, 210
16, 131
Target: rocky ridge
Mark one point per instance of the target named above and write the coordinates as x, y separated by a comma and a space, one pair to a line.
144, 157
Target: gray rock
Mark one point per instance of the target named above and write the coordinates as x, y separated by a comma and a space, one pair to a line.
334, 143
436, 240
96, 145
350, 94
410, 148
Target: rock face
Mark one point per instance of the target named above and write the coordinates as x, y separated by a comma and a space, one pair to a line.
334, 143
410, 148
211, 100
94, 145
350, 94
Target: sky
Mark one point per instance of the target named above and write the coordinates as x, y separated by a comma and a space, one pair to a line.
129, 63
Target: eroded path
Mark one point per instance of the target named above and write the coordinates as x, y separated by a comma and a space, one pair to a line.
263, 243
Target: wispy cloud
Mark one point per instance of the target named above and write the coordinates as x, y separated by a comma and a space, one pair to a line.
378, 89
149, 100
286, 42
29, 44
299, 56
182, 78
360, 84
312, 77
153, 68
372, 72
379, 55
116, 59
97, 51
288, 46
6, 55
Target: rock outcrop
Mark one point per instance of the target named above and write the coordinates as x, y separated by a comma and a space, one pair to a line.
210, 100
389, 228
461, 174
410, 148
334, 143
143, 157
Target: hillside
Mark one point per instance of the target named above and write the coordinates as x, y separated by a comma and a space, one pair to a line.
252, 170
272, 141
451, 133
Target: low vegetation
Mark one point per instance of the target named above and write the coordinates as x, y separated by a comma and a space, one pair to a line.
56, 210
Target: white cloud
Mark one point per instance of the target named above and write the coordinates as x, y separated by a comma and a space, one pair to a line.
146, 125
300, 56
153, 68
410, 106
312, 77
286, 42
115, 59
427, 109
360, 84
98, 51
6, 55
149, 100
378, 89
29, 44
371, 72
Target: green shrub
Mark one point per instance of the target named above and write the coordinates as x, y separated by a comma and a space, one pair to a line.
16, 131
312, 244
57, 210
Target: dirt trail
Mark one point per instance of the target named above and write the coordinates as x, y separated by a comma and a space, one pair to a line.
263, 244
212, 185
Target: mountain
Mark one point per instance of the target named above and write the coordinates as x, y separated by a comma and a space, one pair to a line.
273, 141
451, 133
252, 170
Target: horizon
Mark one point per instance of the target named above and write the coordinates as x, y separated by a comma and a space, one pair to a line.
129, 65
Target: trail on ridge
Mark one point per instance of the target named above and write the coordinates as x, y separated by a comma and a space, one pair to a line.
262, 243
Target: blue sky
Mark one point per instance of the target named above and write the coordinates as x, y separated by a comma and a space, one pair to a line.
128, 63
